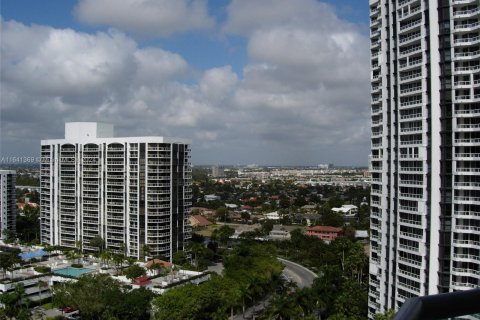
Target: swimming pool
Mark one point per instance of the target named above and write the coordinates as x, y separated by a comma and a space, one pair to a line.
72, 272
25, 256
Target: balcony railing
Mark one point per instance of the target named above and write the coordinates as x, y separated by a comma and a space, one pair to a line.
441, 306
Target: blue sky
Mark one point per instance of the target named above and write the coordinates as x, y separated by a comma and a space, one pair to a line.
267, 82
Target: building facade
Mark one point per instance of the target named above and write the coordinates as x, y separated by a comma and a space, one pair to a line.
218, 172
8, 201
131, 191
425, 158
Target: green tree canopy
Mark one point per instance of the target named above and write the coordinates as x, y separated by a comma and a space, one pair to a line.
102, 297
223, 233
134, 272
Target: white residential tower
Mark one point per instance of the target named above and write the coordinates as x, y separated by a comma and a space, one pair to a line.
132, 191
425, 159
8, 202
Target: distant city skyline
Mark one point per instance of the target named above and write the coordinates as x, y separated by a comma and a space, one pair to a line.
268, 82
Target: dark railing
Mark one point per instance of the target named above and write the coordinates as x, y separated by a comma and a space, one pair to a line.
441, 306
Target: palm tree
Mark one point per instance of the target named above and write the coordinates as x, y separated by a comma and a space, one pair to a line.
5, 263
79, 246
117, 260
123, 248
41, 284
146, 251
72, 255
284, 307
48, 249
105, 256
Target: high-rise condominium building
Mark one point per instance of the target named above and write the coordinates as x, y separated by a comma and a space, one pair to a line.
8, 201
131, 191
218, 172
425, 158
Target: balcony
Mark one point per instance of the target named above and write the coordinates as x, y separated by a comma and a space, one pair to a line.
466, 69
467, 243
466, 13
467, 41
467, 26
411, 25
466, 257
467, 112
467, 214
467, 199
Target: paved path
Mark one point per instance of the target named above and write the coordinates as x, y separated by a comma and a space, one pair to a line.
302, 276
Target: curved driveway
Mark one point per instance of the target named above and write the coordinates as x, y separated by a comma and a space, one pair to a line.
302, 276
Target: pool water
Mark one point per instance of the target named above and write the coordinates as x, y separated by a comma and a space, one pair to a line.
72, 272
25, 256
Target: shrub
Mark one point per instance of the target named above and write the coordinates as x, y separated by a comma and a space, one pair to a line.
77, 265
42, 269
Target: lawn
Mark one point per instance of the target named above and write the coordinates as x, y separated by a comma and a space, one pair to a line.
207, 232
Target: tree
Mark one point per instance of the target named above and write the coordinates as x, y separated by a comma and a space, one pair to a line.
180, 258
284, 307
73, 255
27, 226
222, 234
79, 246
97, 242
200, 254
105, 256
101, 297
245, 216
388, 315
331, 218
117, 261
41, 284
12, 302
267, 226
222, 214
146, 251
6, 263
134, 272
8, 236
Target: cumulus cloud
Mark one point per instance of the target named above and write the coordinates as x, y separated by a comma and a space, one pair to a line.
64, 75
307, 73
147, 17
248, 16
303, 96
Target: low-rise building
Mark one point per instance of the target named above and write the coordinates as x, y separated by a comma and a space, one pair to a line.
198, 221
211, 197
347, 210
325, 233
272, 216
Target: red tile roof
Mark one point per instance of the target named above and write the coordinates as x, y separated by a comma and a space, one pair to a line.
201, 221
165, 264
141, 281
324, 229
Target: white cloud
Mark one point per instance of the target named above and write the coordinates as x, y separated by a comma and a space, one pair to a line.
307, 77
147, 17
248, 16
303, 96
63, 62
218, 82
156, 65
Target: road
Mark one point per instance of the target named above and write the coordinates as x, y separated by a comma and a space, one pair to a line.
302, 277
